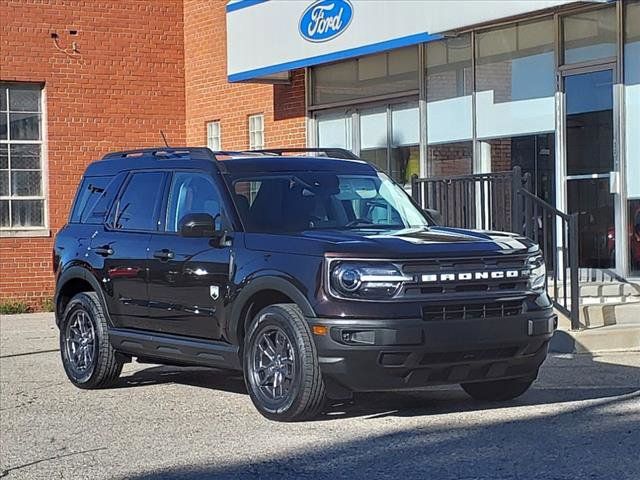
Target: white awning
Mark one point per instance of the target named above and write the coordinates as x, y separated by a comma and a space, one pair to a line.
266, 37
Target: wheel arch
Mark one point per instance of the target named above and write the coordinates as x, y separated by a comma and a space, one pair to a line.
257, 294
71, 282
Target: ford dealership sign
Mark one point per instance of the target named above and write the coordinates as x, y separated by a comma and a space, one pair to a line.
325, 19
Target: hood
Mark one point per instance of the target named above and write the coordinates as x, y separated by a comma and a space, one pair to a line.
414, 242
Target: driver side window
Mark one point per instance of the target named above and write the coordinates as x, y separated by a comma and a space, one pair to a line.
191, 193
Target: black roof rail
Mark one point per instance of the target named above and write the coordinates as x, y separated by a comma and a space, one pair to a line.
333, 152
163, 153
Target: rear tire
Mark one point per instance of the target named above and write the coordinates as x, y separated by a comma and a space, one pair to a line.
281, 366
499, 390
88, 358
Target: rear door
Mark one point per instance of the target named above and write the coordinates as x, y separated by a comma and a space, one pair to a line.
188, 277
121, 246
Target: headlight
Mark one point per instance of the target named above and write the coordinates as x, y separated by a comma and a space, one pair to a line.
363, 280
537, 273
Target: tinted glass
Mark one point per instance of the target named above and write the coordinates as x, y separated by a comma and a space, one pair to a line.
589, 99
191, 193
449, 68
380, 74
88, 194
516, 62
135, 210
589, 35
318, 200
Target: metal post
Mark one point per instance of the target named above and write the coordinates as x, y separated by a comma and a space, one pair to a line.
516, 200
573, 267
414, 189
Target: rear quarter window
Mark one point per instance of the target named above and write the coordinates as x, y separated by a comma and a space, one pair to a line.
94, 198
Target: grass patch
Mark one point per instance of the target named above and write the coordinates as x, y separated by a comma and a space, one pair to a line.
10, 307
47, 305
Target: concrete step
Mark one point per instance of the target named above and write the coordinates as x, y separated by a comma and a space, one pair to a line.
600, 315
596, 340
606, 290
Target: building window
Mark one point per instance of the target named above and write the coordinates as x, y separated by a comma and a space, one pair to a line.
449, 106
589, 36
256, 132
22, 201
381, 74
213, 136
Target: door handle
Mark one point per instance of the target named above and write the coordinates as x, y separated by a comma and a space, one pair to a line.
164, 254
104, 250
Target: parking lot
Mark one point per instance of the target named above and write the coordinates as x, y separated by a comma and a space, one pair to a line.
580, 420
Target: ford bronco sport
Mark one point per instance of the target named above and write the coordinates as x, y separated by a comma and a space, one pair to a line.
315, 276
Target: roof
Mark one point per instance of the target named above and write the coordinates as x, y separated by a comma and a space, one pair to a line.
234, 162
295, 164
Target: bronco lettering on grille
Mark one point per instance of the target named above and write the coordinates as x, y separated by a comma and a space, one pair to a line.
464, 276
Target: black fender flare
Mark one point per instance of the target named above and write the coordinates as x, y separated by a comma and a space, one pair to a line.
78, 273
269, 282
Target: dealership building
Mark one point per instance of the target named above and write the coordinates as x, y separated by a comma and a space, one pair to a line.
433, 88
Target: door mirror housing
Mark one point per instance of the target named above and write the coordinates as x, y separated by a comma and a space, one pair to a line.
434, 215
198, 225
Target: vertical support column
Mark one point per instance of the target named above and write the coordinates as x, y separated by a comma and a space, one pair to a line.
573, 271
619, 182
560, 174
422, 112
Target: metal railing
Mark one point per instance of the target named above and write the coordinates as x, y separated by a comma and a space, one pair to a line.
503, 201
483, 201
557, 234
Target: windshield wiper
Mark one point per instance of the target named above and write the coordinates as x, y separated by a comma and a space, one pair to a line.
370, 225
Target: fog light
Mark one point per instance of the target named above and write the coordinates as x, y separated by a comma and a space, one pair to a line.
366, 337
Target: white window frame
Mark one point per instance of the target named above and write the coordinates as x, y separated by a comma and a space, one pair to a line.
38, 230
256, 132
214, 139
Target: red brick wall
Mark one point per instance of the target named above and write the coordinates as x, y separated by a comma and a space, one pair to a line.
210, 97
124, 86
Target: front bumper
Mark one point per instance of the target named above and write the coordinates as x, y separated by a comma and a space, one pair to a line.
411, 353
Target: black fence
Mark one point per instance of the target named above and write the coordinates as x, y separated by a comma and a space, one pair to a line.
503, 201
483, 201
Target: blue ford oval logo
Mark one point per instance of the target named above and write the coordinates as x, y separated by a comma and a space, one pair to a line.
325, 19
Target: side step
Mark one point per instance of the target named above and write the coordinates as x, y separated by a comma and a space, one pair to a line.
174, 348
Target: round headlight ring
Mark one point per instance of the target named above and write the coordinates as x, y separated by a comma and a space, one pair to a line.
348, 278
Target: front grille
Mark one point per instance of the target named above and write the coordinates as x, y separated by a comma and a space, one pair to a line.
453, 267
473, 311
469, 355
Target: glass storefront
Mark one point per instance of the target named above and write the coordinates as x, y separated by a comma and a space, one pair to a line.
632, 127
493, 99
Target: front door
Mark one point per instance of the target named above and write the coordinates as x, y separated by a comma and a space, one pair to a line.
188, 277
589, 163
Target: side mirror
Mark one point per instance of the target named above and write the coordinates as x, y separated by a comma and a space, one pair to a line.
198, 225
434, 215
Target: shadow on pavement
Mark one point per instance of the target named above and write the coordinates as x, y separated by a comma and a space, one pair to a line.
548, 389
590, 441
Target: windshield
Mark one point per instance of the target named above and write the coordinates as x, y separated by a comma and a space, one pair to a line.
293, 202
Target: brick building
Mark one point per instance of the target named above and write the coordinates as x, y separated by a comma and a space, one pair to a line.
533, 84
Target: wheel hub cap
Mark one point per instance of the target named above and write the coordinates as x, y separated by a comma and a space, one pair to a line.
273, 363
80, 342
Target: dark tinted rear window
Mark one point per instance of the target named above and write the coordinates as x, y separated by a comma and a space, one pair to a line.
90, 191
137, 207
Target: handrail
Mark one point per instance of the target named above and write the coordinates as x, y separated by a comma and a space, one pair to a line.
503, 201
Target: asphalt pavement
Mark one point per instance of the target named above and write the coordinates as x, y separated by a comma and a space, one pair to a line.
580, 420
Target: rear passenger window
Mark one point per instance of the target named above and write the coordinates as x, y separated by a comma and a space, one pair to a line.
136, 208
191, 193
89, 193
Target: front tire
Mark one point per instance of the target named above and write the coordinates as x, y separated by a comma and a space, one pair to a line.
281, 367
88, 358
498, 390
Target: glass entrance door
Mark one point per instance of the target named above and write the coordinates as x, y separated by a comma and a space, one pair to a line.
589, 153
